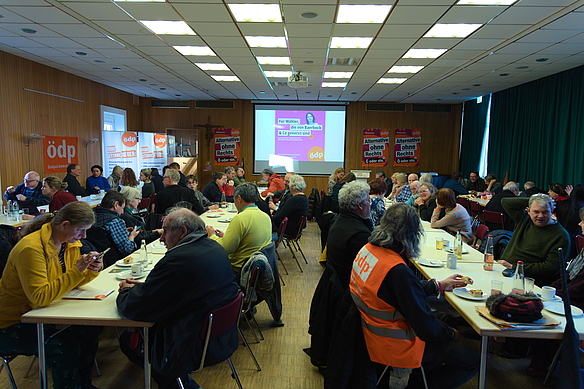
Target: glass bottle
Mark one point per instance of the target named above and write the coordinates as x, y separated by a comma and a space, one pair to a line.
519, 280
223, 200
143, 253
489, 254
459, 245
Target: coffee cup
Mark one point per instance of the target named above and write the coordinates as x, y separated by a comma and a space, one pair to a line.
548, 292
137, 270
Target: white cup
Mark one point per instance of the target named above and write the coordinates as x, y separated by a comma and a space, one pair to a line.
78, 198
548, 292
137, 270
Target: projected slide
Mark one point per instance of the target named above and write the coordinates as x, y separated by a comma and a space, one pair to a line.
312, 136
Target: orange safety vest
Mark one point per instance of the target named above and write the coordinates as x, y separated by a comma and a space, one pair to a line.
390, 339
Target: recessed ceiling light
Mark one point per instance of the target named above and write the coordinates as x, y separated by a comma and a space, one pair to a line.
262, 91
309, 15
117, 69
286, 95
162, 88
329, 95
278, 73
455, 93
212, 66
274, 60
307, 92
477, 84
266, 41
522, 67
143, 80
195, 50
267, 13
424, 53
28, 30
338, 74
353, 93
391, 80
334, 84
178, 95
168, 27
485, 2
153, 84
455, 30
99, 61
541, 59
80, 53
308, 62
362, 13
225, 78
350, 43
438, 99
405, 69
465, 89
503, 74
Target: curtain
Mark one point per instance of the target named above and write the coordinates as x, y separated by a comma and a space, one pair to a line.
473, 131
537, 130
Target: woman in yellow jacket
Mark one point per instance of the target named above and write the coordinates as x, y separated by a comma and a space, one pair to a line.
41, 268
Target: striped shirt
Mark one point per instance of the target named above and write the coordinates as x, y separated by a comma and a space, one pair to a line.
454, 220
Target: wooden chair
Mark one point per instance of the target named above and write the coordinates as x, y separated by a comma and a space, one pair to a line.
497, 218
143, 206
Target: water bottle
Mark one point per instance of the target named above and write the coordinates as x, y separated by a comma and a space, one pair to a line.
459, 245
9, 209
143, 253
519, 280
489, 254
15, 210
223, 200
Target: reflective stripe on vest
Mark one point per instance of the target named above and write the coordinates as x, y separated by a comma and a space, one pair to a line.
381, 315
389, 333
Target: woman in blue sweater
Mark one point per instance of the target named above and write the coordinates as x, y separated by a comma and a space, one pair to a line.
96, 181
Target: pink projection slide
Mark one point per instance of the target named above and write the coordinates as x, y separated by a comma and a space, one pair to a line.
300, 135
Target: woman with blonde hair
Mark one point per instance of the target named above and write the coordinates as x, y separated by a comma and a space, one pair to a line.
52, 186
333, 179
148, 188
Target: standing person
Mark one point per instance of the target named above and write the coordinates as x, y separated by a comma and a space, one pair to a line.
55, 189
173, 193
28, 190
148, 188
182, 180
192, 184
213, 189
475, 183
192, 279
128, 178
42, 267
114, 178
333, 179
73, 185
426, 202
398, 327
275, 182
378, 189
156, 180
567, 213
239, 176
456, 217
96, 181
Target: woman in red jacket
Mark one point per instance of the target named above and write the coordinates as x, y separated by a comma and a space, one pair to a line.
52, 186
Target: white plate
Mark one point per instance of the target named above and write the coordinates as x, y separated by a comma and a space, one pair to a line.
555, 299
128, 274
430, 262
121, 263
214, 215
233, 211
225, 220
558, 308
454, 251
465, 294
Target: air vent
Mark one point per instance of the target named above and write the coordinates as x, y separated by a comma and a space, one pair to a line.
385, 107
343, 61
220, 104
431, 108
169, 104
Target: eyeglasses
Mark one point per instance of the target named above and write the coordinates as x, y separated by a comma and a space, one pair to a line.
138, 198
25, 180
163, 177
424, 191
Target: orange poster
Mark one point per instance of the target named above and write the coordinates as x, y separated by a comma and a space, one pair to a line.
407, 147
227, 146
375, 147
60, 151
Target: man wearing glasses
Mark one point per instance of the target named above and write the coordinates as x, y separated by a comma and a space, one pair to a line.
173, 193
29, 190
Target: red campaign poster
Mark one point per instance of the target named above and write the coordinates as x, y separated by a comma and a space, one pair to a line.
407, 147
227, 148
60, 151
375, 147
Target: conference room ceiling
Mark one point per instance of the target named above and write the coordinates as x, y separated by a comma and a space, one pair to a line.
109, 42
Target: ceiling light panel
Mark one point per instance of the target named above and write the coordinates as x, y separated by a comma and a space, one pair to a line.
277, 73
170, 27
226, 78
274, 60
362, 13
212, 66
391, 80
459, 30
194, 50
338, 74
486, 2
259, 13
350, 43
266, 41
405, 69
334, 84
424, 53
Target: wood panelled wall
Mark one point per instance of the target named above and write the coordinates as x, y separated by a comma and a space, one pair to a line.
23, 112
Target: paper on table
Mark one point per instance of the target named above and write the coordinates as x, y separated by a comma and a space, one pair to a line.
543, 323
88, 294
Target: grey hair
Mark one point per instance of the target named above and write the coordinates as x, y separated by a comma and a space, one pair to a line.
268, 171
427, 178
401, 178
297, 183
247, 191
400, 230
229, 169
431, 188
528, 185
130, 193
173, 175
352, 194
147, 172
178, 217
512, 186
542, 200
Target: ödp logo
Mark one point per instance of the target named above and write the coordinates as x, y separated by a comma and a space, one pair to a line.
316, 153
61, 151
129, 139
160, 140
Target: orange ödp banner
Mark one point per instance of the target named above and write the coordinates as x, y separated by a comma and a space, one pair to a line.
407, 147
227, 149
375, 147
60, 151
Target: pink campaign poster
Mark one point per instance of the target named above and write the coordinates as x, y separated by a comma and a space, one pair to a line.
300, 135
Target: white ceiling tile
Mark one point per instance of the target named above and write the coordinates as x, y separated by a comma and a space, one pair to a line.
356, 30
548, 36
20, 42
562, 48
403, 31
150, 11
474, 14
11, 17
139, 40
522, 48
261, 29
56, 42
99, 43
325, 12
44, 14
215, 29
436, 43
315, 30
477, 44
204, 13
76, 30
524, 15
417, 14
40, 30
225, 42
98, 11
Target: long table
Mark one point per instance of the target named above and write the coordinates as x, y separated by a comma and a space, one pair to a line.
91, 313
471, 265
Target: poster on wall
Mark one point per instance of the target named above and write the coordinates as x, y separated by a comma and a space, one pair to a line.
152, 150
134, 150
227, 148
60, 151
375, 147
407, 147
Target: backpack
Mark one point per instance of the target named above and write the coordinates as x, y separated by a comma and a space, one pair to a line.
500, 240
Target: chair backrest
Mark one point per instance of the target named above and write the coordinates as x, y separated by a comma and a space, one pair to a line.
475, 208
481, 232
494, 217
152, 202
281, 230
144, 203
580, 241
251, 286
301, 226
464, 202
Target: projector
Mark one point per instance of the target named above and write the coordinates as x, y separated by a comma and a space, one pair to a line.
297, 81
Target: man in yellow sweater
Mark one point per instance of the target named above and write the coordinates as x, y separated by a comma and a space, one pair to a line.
249, 231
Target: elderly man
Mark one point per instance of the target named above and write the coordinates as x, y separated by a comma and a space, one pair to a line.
229, 186
454, 184
182, 181
239, 176
249, 231
388, 181
536, 238
29, 190
530, 189
275, 182
475, 183
415, 188
401, 191
281, 196
494, 205
412, 177
173, 193
192, 279
73, 185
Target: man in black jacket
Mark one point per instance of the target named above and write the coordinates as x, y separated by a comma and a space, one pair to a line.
175, 193
192, 279
73, 185
494, 205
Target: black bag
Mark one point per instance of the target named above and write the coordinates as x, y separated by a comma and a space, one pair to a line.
500, 240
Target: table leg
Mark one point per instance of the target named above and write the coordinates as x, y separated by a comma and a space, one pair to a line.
147, 373
42, 362
483, 365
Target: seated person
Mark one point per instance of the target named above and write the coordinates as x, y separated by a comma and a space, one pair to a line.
454, 184
55, 189
295, 207
455, 219
96, 181
213, 189
557, 192
249, 231
28, 190
110, 230
229, 186
192, 183
192, 279
415, 188
494, 205
401, 190
42, 267
530, 189
426, 202
278, 198
400, 329
73, 185
239, 176
114, 178
350, 177
173, 193
378, 190
275, 182
536, 238
475, 183
493, 185
333, 179
132, 197
567, 213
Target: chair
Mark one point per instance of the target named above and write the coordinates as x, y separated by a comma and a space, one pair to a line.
6, 359
281, 229
152, 202
143, 206
294, 241
215, 324
480, 233
580, 242
476, 210
421, 368
248, 303
497, 218
464, 202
